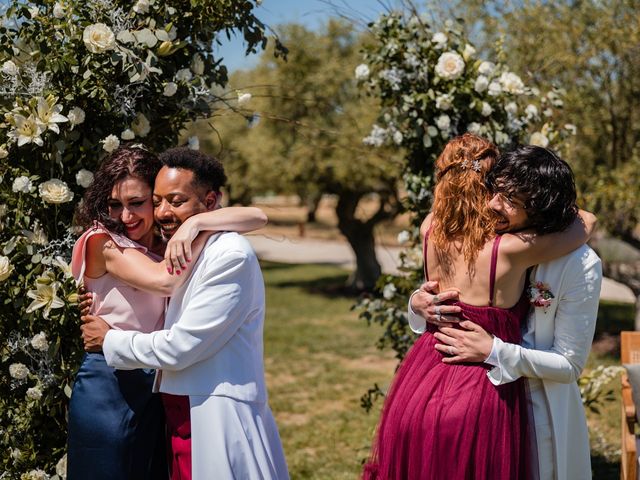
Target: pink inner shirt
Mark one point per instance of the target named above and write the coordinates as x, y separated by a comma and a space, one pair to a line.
122, 306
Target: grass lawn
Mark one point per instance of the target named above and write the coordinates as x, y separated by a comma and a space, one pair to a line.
320, 358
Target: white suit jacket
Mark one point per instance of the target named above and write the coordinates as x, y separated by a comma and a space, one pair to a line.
563, 336
212, 341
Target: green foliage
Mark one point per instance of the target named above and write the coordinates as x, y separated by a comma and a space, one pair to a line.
432, 86
76, 78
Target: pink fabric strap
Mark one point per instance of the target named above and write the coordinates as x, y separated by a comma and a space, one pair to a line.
492, 274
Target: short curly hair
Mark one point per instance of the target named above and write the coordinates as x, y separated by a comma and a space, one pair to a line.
544, 181
127, 161
208, 172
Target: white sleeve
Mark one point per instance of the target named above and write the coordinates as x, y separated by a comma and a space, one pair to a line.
575, 323
214, 313
416, 322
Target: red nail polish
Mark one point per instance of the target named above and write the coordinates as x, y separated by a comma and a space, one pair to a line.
177, 272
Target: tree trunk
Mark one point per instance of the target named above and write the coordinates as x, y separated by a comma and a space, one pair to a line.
359, 234
312, 201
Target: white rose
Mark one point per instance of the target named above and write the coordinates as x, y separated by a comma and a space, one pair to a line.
403, 237
55, 191
61, 467
474, 127
76, 116
197, 64
481, 84
184, 75
34, 12
540, 139
432, 131
494, 88
84, 178
571, 128
501, 138
440, 40
511, 83
127, 134
450, 66
243, 98
194, 143
443, 122
3, 152
110, 143
58, 10
444, 102
389, 291
10, 68
37, 475
146, 37
141, 6
397, 137
141, 126
362, 72
34, 393
468, 52
19, 371
170, 89
486, 109
22, 184
486, 68
547, 112
531, 111
426, 140
5, 268
98, 38
511, 107
39, 342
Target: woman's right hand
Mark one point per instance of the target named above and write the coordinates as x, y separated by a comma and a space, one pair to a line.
178, 252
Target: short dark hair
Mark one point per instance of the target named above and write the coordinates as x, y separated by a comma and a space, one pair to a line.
545, 182
127, 161
208, 172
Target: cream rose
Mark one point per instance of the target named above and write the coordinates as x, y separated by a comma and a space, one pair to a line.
110, 143
184, 75
22, 184
141, 126
39, 342
539, 139
450, 66
511, 83
84, 178
170, 89
55, 191
5, 267
76, 116
98, 38
34, 393
19, 371
127, 134
10, 68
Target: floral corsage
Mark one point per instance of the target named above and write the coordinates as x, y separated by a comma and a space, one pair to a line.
540, 295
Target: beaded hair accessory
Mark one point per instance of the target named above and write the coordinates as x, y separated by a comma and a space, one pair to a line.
475, 165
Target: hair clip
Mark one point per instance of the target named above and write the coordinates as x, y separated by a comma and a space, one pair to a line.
139, 146
465, 164
477, 166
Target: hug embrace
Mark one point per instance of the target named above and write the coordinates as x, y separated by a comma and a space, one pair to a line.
173, 326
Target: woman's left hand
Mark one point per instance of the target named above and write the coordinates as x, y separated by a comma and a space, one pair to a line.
178, 252
470, 343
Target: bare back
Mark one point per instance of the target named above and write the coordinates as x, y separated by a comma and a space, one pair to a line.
474, 283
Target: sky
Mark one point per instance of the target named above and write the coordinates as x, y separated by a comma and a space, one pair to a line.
311, 13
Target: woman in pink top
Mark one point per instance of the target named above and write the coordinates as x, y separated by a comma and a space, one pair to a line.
116, 423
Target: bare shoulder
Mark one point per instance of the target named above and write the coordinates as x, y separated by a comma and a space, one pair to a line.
426, 224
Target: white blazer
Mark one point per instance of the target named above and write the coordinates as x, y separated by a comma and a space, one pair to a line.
563, 335
212, 341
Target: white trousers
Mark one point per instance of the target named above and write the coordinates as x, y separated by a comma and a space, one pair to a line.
234, 440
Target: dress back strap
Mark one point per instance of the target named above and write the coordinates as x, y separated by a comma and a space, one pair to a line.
492, 273
424, 252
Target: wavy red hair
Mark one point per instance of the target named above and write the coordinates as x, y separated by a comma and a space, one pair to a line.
460, 205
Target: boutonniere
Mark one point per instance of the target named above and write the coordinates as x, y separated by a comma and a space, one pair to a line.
540, 295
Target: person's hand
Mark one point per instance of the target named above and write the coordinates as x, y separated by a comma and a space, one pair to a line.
94, 330
178, 252
427, 303
85, 301
472, 343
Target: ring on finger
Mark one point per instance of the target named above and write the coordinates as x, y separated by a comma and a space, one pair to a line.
451, 350
438, 317
437, 310
436, 298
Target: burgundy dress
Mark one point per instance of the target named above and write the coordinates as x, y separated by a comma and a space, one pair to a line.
445, 421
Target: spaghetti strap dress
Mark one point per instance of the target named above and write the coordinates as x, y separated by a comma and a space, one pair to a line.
447, 421
116, 424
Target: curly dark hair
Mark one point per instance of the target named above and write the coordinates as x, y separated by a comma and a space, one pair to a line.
543, 180
129, 160
208, 172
